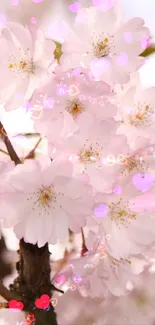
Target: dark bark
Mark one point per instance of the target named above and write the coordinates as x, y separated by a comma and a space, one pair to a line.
5, 267
34, 281
33, 268
14, 157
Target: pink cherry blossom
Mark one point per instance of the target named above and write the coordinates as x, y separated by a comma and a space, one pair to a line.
84, 309
88, 149
100, 46
106, 274
69, 97
124, 222
90, 194
140, 117
25, 62
139, 300
48, 199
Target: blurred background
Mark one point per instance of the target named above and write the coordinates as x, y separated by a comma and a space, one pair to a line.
49, 14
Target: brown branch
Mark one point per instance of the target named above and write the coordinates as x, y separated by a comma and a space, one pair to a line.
14, 157
84, 248
27, 134
6, 294
3, 151
34, 280
31, 153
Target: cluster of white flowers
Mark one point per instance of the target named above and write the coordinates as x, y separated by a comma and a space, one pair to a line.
99, 172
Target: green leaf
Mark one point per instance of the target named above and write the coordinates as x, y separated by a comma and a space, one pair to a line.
150, 50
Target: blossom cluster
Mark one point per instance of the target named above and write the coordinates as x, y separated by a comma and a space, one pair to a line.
100, 160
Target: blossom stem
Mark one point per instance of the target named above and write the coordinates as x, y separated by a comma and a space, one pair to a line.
84, 248
12, 153
31, 153
3, 151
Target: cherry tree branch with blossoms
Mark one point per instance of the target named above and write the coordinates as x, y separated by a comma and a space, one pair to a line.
11, 151
97, 178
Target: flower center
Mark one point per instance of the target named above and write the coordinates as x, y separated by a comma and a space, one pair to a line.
133, 163
102, 45
44, 198
121, 213
90, 154
142, 115
20, 64
75, 108
141, 299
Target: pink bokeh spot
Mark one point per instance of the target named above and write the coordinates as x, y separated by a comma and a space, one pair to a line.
143, 182
33, 20
15, 2
101, 211
103, 4
2, 20
76, 72
62, 89
75, 7
37, 1
117, 190
122, 59
49, 103
145, 42
77, 279
128, 37
60, 279
97, 2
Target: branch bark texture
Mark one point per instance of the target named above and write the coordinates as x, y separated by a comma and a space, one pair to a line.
33, 268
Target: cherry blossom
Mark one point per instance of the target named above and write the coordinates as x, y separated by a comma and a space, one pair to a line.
103, 46
91, 193
140, 300
85, 310
138, 115
102, 275
123, 221
66, 95
43, 203
25, 62
89, 149
9, 317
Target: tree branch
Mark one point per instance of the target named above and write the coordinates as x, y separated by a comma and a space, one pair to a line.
14, 157
7, 294
31, 153
3, 151
84, 248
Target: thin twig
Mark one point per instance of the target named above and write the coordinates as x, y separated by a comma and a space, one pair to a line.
3, 151
12, 153
27, 135
31, 153
84, 248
